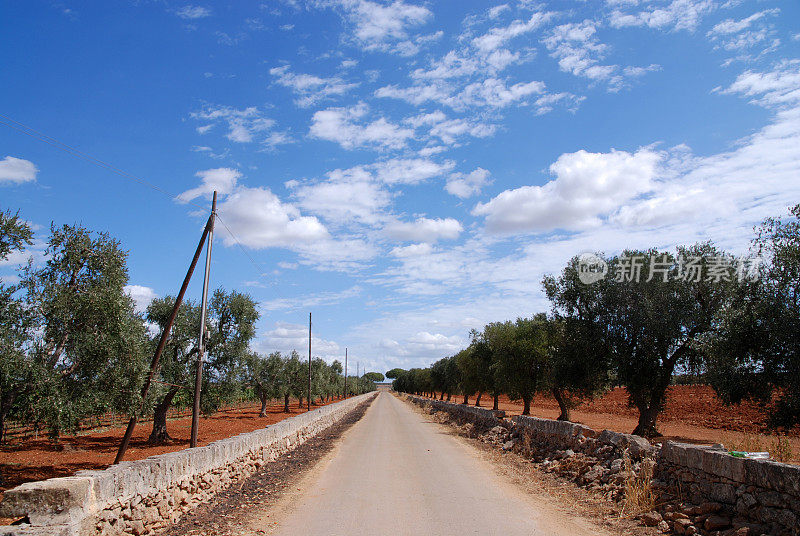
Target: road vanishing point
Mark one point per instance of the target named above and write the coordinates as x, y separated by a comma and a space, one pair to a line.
396, 472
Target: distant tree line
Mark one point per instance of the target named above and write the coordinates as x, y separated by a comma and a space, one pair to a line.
684, 317
72, 346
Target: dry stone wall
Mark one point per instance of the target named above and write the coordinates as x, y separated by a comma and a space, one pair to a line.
704, 490
140, 496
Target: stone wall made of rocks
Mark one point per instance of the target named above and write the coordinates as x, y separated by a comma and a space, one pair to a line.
763, 494
140, 496
704, 490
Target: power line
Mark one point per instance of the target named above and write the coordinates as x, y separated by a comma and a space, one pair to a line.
77, 153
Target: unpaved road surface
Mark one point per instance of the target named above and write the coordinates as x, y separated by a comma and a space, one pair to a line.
395, 473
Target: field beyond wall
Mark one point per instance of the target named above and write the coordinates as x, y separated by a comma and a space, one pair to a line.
694, 414
25, 460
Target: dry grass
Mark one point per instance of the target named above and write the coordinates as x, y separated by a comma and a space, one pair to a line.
639, 494
781, 449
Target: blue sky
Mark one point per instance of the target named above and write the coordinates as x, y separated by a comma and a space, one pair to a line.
405, 170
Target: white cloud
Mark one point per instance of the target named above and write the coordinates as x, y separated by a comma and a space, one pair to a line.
346, 127
243, 125
260, 220
587, 186
429, 230
579, 52
739, 35
497, 37
413, 250
774, 89
16, 171
286, 337
221, 180
677, 15
347, 195
384, 27
409, 170
193, 12
141, 295
449, 130
490, 92
343, 253
310, 89
311, 300
496, 11
469, 184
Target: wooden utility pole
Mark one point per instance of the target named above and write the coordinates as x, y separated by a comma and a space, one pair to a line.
309, 361
358, 377
163, 341
201, 346
345, 373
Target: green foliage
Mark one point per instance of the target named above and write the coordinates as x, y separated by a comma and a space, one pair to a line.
374, 376
394, 373
84, 350
756, 348
15, 233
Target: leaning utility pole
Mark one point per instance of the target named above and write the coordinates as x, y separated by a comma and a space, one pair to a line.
201, 346
163, 341
345, 373
309, 361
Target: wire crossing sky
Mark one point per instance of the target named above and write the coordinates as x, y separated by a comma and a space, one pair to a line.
406, 170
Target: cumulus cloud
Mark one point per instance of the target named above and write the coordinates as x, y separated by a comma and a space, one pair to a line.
141, 295
310, 89
16, 171
429, 230
285, 337
465, 185
587, 186
221, 180
347, 195
346, 126
260, 220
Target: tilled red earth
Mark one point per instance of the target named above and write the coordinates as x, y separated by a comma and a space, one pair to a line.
693, 414
38, 459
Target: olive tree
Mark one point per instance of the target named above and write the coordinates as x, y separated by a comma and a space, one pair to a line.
85, 351
755, 353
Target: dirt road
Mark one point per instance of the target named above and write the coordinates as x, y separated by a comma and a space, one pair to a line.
395, 472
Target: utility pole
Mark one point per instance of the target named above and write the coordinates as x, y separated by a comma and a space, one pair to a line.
201, 346
309, 361
358, 377
345, 373
163, 341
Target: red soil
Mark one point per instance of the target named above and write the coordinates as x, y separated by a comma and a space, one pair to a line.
36, 459
693, 414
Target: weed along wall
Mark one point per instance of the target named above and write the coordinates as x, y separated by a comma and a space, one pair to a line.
134, 497
701, 489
